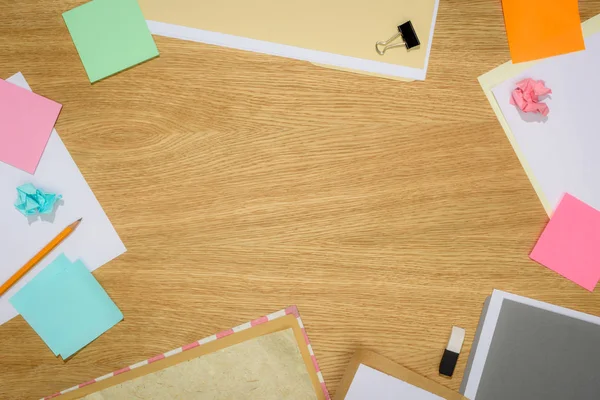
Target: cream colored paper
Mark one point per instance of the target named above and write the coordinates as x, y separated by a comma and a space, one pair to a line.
507, 71
268, 367
278, 321
335, 27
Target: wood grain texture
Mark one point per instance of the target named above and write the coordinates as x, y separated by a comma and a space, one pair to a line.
243, 183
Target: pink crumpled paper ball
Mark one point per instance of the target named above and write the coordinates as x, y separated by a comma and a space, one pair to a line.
527, 94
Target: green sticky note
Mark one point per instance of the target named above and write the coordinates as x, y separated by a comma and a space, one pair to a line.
110, 36
66, 306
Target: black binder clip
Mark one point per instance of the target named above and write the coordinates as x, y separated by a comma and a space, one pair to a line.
408, 35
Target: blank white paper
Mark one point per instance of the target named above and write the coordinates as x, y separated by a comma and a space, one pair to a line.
95, 241
562, 151
368, 384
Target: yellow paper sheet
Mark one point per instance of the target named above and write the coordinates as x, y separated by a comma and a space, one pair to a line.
336, 26
268, 367
509, 70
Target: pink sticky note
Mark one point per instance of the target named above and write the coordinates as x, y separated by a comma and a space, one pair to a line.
570, 244
26, 123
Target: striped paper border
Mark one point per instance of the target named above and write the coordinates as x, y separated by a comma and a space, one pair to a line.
282, 313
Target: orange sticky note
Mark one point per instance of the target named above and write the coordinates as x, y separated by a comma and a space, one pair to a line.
542, 28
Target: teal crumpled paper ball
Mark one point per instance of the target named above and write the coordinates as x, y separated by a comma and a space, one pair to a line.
33, 201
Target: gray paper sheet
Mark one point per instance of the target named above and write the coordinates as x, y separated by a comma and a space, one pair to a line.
539, 354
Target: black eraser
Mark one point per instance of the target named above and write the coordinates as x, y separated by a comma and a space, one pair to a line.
409, 35
448, 363
452, 351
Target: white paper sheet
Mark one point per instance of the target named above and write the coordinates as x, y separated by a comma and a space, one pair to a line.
562, 150
95, 241
368, 383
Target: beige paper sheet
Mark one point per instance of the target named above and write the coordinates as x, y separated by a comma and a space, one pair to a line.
506, 71
281, 323
268, 367
344, 27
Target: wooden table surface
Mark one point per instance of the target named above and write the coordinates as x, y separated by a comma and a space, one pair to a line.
243, 183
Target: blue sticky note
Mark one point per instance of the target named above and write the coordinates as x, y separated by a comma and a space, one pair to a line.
66, 306
27, 301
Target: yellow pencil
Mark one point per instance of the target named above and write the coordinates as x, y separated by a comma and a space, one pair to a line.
39, 256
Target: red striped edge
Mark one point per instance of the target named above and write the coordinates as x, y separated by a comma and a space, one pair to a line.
121, 371
315, 363
156, 358
259, 321
52, 396
292, 310
223, 334
324, 387
305, 336
87, 383
190, 346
